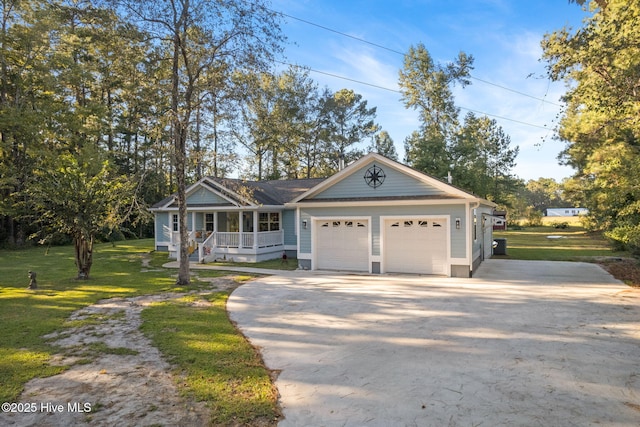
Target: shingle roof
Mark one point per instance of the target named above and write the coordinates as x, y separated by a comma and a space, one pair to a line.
272, 192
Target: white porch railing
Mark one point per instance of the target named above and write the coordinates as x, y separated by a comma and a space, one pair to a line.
207, 247
173, 237
227, 240
270, 238
235, 240
193, 244
245, 240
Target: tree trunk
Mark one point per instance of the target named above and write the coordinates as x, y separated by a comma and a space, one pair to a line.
180, 141
183, 272
84, 255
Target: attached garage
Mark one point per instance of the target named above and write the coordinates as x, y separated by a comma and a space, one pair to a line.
380, 216
416, 245
342, 244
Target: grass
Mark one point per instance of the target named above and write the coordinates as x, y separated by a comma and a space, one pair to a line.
27, 315
215, 363
273, 264
573, 244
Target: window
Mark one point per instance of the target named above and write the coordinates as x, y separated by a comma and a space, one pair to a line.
336, 223
348, 223
175, 222
247, 222
408, 223
423, 223
208, 222
437, 224
360, 224
274, 221
395, 224
269, 221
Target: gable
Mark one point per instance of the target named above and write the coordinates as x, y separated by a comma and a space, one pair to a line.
202, 196
395, 184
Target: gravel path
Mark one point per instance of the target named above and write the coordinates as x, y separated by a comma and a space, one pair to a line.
117, 376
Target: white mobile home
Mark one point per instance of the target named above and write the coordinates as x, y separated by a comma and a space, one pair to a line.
567, 211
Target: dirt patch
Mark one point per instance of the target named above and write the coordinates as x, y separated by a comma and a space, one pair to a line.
624, 269
116, 376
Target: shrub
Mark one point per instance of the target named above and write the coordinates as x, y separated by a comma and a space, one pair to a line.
533, 217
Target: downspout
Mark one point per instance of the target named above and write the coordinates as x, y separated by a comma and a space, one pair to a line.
472, 206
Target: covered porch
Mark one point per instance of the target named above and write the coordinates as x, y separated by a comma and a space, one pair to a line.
239, 235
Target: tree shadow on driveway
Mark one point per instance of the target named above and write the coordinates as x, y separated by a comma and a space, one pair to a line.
518, 344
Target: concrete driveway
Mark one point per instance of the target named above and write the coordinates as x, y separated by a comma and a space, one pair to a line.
524, 343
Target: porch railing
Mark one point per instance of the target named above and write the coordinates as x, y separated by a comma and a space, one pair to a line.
227, 240
207, 247
247, 240
235, 239
174, 238
270, 238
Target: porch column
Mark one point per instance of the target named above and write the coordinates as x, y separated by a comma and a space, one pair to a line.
255, 229
193, 221
215, 228
240, 230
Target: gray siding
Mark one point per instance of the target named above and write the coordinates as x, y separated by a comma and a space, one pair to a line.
161, 219
395, 183
289, 226
202, 196
199, 221
458, 247
483, 234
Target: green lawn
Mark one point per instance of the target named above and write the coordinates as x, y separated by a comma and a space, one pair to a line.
272, 264
26, 315
214, 361
573, 244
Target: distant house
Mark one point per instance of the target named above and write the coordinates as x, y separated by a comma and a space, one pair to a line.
374, 216
567, 211
499, 220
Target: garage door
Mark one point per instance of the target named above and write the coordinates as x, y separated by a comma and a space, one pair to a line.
416, 246
342, 245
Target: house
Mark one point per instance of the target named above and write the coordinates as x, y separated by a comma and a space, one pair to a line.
374, 216
567, 211
500, 220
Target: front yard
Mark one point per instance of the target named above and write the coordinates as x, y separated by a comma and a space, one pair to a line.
126, 270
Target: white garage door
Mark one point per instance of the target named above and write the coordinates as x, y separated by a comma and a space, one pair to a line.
342, 245
416, 246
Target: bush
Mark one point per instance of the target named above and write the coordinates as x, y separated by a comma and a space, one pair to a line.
626, 237
533, 217
560, 225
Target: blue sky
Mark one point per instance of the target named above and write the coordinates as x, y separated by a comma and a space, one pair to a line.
502, 35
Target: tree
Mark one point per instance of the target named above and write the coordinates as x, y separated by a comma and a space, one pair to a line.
426, 87
201, 36
256, 123
80, 196
383, 144
347, 122
543, 193
600, 124
482, 159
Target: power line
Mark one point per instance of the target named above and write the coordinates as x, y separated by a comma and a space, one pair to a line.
402, 54
399, 92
